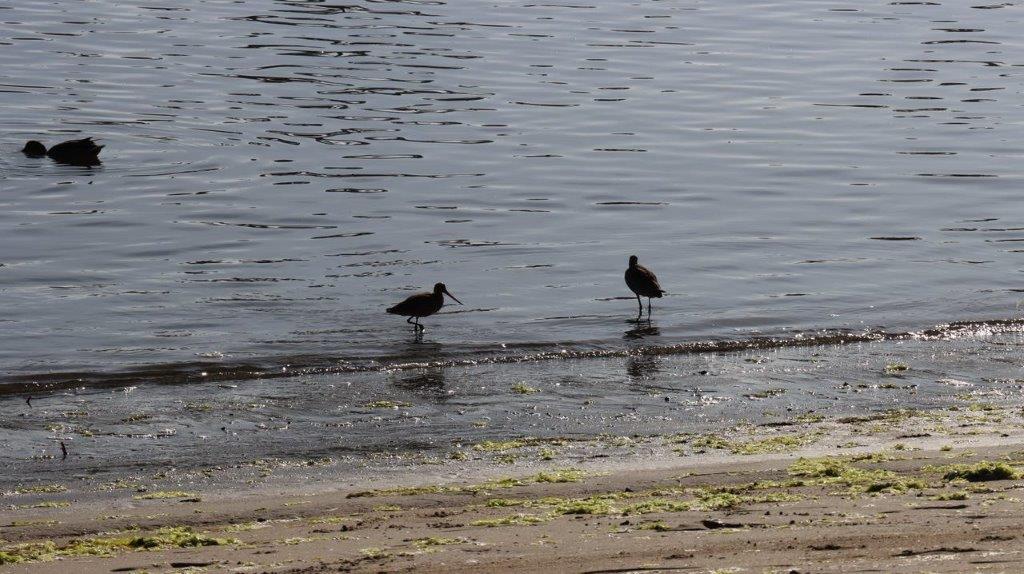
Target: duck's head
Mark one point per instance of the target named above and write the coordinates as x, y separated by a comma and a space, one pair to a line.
632, 260
439, 288
34, 149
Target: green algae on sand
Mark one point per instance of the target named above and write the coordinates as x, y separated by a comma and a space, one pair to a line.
552, 476
166, 494
40, 489
167, 537
981, 472
841, 472
774, 444
513, 520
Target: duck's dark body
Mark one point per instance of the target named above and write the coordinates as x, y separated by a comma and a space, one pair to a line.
422, 305
74, 152
642, 282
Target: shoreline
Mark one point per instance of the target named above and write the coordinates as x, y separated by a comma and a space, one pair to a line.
19, 382
833, 494
386, 424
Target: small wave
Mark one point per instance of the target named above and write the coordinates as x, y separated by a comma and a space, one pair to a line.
290, 366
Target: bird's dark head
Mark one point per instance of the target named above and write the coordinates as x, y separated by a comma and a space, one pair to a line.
34, 149
632, 260
440, 288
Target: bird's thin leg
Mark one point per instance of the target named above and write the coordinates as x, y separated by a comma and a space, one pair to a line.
640, 304
648, 307
415, 322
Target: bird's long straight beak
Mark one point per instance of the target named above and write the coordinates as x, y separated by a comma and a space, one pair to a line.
452, 296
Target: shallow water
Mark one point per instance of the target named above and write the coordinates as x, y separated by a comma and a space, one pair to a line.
373, 423
278, 173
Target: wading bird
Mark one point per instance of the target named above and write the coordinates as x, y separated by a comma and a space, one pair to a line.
74, 152
422, 305
643, 283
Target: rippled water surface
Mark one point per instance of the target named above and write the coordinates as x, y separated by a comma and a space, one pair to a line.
277, 173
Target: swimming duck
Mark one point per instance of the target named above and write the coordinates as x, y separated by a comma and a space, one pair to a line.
74, 152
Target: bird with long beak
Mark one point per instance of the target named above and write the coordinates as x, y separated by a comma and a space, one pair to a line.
642, 282
422, 305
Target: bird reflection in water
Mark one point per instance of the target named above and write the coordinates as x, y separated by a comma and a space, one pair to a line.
642, 368
641, 329
423, 381
420, 351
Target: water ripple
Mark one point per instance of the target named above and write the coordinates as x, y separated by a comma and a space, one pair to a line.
277, 167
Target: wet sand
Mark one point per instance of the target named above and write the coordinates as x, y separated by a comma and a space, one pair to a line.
903, 491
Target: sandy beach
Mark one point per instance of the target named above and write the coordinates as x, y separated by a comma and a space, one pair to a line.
901, 491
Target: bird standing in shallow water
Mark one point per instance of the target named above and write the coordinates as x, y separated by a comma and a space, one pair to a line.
643, 283
422, 305
74, 152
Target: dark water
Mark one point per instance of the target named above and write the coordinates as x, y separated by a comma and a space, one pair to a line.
279, 172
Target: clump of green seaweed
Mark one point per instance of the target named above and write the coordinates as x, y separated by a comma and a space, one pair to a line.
524, 389
167, 537
553, 476
166, 494
780, 443
705, 499
981, 472
431, 541
40, 489
841, 472
513, 520
386, 404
